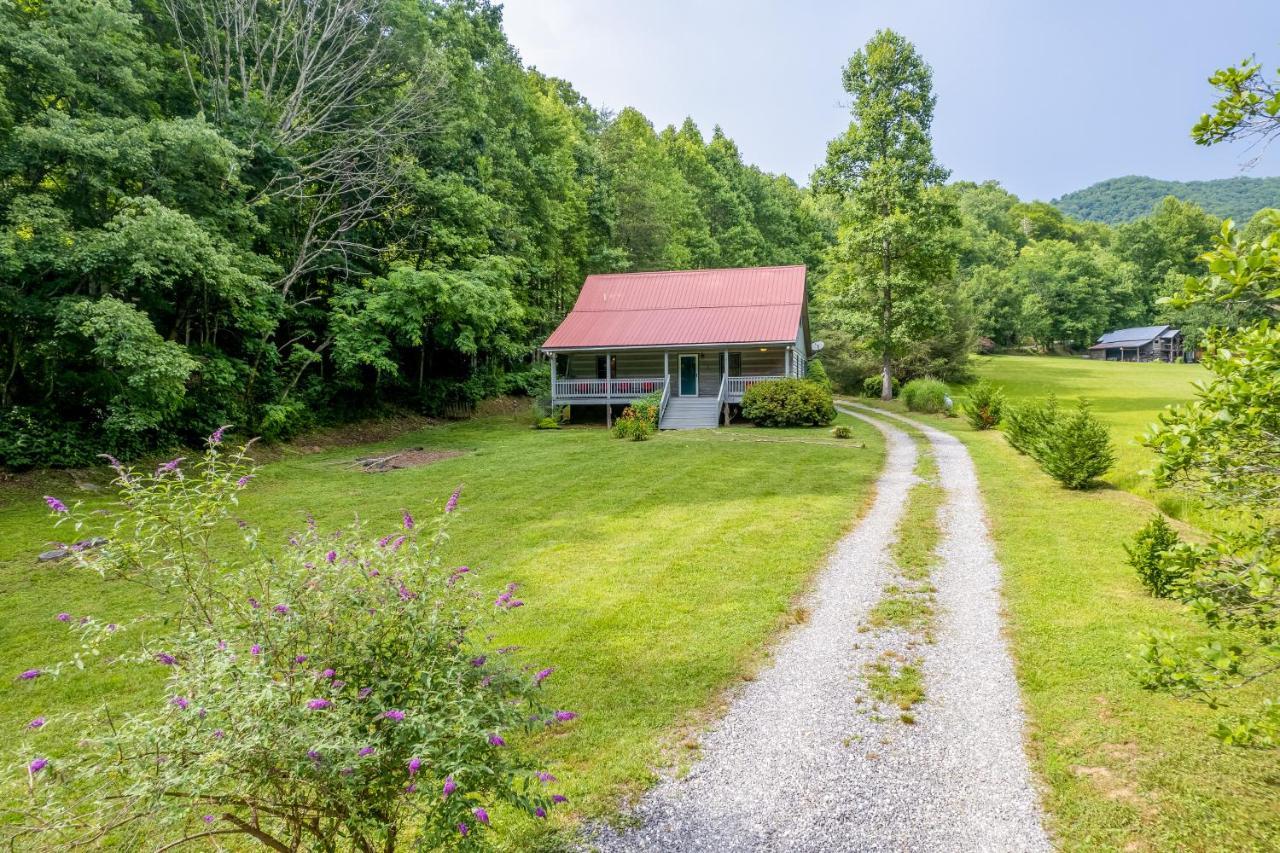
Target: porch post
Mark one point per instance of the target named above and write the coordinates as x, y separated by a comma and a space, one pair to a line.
666, 370
724, 383
608, 389
553, 379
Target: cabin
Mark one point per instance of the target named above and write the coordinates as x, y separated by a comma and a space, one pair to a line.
1145, 343
700, 338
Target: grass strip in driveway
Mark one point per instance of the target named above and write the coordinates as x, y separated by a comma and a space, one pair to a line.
1121, 768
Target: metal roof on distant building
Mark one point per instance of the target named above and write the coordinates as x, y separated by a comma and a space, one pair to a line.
685, 308
1136, 337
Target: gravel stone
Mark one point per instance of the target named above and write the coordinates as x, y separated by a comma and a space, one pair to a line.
800, 764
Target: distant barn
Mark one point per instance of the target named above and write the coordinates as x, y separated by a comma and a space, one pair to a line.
1145, 343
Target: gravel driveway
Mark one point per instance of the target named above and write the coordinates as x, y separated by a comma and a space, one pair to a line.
798, 764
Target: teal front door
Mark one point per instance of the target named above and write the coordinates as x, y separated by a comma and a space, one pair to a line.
688, 376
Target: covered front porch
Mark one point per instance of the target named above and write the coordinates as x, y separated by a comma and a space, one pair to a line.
608, 376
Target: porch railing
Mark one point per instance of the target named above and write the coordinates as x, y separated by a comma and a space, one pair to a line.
739, 384
620, 389
666, 395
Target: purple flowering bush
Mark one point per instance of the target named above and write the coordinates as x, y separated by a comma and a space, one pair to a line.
336, 692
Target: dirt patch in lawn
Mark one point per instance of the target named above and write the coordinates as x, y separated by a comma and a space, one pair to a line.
412, 457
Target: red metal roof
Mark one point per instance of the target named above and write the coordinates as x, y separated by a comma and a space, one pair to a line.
685, 307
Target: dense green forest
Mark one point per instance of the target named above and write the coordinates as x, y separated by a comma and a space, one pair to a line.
1124, 199
272, 215
282, 215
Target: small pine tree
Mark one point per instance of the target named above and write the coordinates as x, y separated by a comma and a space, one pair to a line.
1146, 556
1075, 450
985, 406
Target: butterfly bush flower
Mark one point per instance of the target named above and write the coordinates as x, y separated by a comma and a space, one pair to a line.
415, 764
30, 674
64, 617
216, 437
545, 777
207, 818
540, 812
478, 662
37, 765
368, 750
55, 504
254, 603
411, 788
166, 658
331, 556
318, 704
452, 503
219, 734
314, 756
364, 692
255, 650
244, 481
328, 673
463, 829
496, 740
543, 675
180, 702
300, 659
449, 785
559, 798
395, 715
482, 816
565, 716
37, 723
170, 466
281, 609
457, 573
408, 519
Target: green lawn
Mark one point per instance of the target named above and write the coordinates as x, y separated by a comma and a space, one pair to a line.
1121, 768
1127, 396
654, 572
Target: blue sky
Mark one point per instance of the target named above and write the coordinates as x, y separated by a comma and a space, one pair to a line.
1046, 97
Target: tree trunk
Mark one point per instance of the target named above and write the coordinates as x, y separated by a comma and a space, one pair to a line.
886, 325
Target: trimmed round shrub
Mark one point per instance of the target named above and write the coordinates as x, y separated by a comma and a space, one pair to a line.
926, 395
841, 431
872, 384
788, 402
1147, 556
985, 406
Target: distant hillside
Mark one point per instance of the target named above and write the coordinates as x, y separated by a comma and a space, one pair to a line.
1123, 199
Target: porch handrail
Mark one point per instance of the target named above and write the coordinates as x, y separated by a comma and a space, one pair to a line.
666, 395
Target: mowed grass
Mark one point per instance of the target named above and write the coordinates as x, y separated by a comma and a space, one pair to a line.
654, 573
1124, 395
1121, 768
